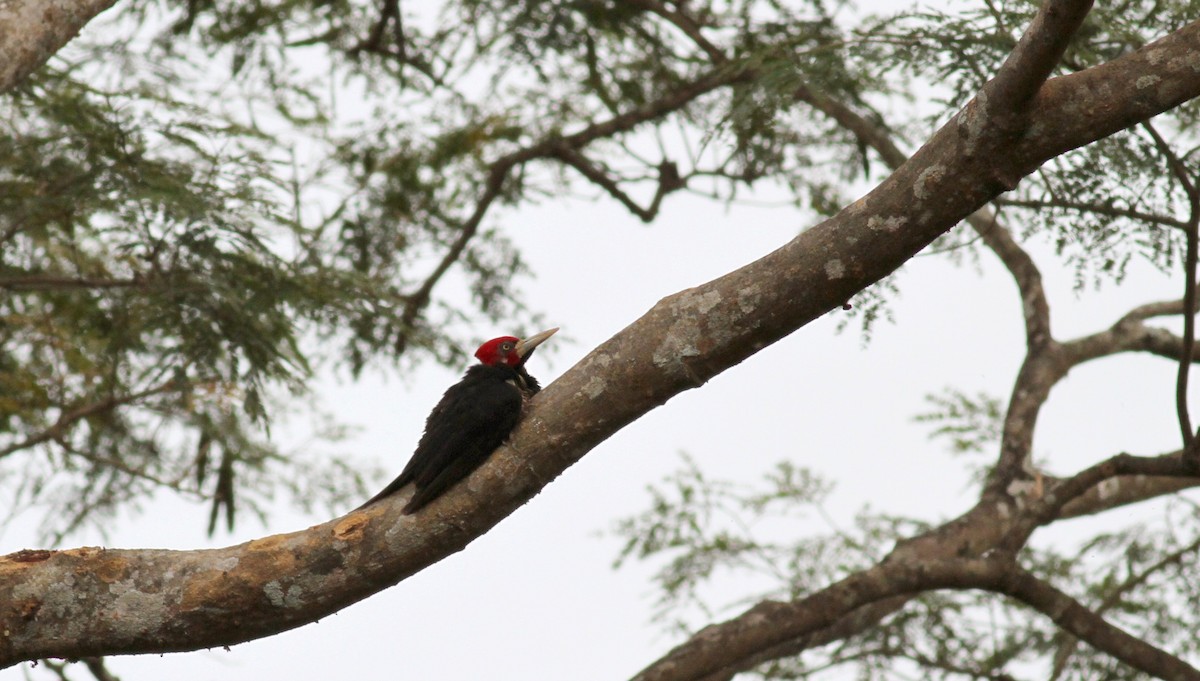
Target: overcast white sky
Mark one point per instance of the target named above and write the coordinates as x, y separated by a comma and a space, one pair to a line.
536, 598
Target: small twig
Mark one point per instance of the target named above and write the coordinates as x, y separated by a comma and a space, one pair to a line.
1098, 209
684, 23
1180, 171
70, 418
552, 147
52, 282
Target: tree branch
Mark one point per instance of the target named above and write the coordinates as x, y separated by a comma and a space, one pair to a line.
707, 653
70, 418
31, 31
1107, 211
90, 601
668, 182
1090, 627
1036, 54
685, 24
549, 148
1179, 170
41, 282
1113, 598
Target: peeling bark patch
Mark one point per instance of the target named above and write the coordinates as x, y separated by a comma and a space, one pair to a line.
135, 611
281, 598
1146, 81
834, 269
683, 338
701, 321
748, 298
350, 528
29, 555
1108, 488
971, 121
704, 303
888, 224
227, 564
933, 173
58, 598
594, 387
108, 571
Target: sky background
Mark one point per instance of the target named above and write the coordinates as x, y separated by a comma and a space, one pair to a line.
537, 597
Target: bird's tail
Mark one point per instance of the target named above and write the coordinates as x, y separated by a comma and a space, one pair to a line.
393, 487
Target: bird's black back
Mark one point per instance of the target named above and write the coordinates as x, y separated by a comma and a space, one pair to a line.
471, 420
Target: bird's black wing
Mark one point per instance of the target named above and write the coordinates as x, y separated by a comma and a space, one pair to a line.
472, 419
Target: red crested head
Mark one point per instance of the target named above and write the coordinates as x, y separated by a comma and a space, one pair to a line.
510, 350
497, 351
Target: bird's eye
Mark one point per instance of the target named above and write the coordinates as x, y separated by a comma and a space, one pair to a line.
506, 346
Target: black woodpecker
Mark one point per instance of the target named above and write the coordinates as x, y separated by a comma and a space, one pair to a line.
472, 419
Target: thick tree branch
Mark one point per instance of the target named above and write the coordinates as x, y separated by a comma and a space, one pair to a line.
1123, 490
31, 31
1041, 372
1036, 54
1067, 648
91, 601
1090, 627
1049, 507
766, 623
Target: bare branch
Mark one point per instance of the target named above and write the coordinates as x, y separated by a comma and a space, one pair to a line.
1035, 307
39, 282
1183, 177
1123, 490
1099, 209
684, 23
668, 181
69, 418
548, 148
1050, 506
1090, 627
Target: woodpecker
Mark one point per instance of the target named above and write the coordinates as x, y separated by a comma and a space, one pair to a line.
472, 419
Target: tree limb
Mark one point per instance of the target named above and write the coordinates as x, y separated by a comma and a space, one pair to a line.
499, 170
1181, 174
43, 282
712, 648
70, 418
1099, 209
31, 31
90, 601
